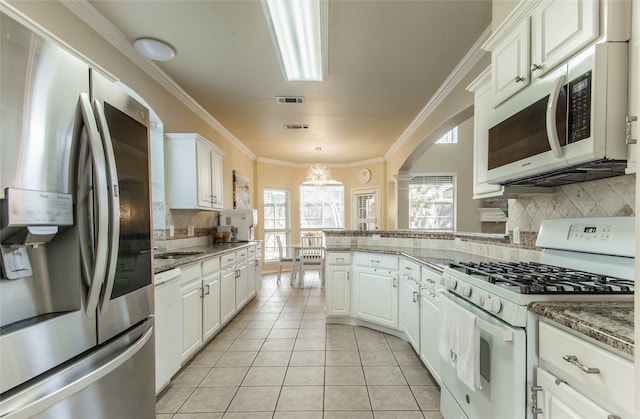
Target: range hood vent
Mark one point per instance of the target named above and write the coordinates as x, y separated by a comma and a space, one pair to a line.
297, 126
290, 99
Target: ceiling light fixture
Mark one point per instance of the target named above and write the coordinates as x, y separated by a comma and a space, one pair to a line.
154, 49
298, 28
318, 174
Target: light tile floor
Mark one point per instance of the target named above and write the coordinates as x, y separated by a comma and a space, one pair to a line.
279, 359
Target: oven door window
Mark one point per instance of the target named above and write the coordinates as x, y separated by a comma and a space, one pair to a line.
485, 360
524, 134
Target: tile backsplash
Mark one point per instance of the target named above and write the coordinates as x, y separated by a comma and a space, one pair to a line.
608, 197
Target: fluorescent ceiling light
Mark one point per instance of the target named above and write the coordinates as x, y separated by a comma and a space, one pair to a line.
299, 30
154, 49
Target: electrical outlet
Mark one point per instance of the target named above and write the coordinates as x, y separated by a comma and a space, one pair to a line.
516, 235
171, 232
190, 231
375, 237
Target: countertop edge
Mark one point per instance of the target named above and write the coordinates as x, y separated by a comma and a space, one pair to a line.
603, 332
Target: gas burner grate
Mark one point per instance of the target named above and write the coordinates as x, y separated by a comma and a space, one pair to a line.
538, 278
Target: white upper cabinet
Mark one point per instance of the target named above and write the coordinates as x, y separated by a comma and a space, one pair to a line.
560, 28
540, 35
483, 99
510, 63
194, 172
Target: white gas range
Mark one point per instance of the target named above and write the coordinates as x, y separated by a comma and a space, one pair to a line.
587, 259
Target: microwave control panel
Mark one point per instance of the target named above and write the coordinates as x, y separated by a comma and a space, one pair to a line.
579, 93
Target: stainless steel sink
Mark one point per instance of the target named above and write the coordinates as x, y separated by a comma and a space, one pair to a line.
176, 255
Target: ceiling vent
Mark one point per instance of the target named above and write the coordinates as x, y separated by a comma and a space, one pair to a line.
297, 126
290, 99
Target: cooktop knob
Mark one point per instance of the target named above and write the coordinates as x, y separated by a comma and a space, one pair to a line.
451, 283
479, 299
496, 305
465, 290
487, 303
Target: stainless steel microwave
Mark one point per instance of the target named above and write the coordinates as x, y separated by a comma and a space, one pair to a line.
566, 127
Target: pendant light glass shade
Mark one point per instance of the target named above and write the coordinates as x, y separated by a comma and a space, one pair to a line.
318, 174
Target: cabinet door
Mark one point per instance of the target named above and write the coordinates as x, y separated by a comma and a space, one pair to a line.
559, 29
429, 333
191, 318
375, 296
409, 306
203, 168
560, 401
483, 106
251, 279
338, 291
211, 306
258, 270
242, 288
228, 294
216, 180
510, 64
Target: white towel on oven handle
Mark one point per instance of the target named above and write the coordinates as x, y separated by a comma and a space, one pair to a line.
459, 343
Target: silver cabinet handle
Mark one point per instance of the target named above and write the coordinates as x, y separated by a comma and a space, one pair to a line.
535, 67
207, 291
572, 359
415, 297
519, 79
395, 282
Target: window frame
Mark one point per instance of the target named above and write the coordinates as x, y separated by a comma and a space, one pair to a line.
355, 220
270, 245
341, 211
453, 203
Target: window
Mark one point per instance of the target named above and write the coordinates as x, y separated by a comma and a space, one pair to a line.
450, 137
321, 207
365, 209
431, 200
276, 222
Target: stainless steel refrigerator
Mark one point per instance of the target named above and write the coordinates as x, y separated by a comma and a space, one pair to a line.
76, 294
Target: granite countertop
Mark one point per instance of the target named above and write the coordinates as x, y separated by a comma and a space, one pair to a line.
205, 251
609, 322
437, 259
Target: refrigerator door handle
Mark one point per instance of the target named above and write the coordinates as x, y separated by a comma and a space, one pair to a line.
95, 276
114, 204
38, 402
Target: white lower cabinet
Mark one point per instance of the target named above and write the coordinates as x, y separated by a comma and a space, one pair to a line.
409, 302
242, 285
375, 289
191, 292
337, 284
560, 401
210, 298
228, 294
429, 331
578, 379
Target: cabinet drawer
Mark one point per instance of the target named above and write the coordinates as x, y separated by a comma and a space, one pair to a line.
614, 383
431, 279
409, 268
241, 254
376, 260
190, 273
251, 251
338, 258
227, 260
210, 266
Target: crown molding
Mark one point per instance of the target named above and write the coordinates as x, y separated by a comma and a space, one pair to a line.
92, 17
470, 59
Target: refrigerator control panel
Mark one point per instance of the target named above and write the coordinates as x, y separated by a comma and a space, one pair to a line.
36, 208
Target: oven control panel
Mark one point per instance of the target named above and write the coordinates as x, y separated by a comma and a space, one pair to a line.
579, 232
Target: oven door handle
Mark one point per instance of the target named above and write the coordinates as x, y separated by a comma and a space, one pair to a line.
500, 333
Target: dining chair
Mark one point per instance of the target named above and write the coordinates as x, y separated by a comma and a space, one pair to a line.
283, 258
311, 254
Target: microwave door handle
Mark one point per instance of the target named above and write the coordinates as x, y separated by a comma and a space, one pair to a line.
114, 204
95, 276
552, 129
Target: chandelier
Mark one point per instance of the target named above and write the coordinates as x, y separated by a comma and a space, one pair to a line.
318, 174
